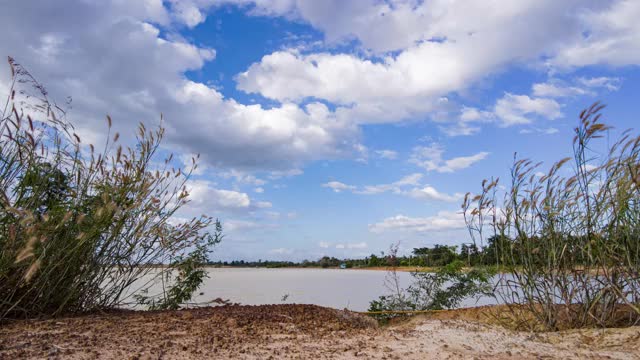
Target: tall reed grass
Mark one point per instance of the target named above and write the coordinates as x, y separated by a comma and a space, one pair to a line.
79, 223
569, 239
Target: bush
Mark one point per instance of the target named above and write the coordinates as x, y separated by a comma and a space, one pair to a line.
78, 226
445, 288
568, 243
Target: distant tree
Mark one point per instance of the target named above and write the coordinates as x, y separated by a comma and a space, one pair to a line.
498, 246
470, 254
439, 255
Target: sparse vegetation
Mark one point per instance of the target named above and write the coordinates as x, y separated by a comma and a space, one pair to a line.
78, 223
568, 240
443, 289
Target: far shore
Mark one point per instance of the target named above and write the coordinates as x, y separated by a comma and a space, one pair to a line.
372, 268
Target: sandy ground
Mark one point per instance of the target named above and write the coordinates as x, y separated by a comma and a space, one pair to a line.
298, 332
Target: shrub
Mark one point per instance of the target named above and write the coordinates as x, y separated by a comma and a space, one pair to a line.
445, 288
568, 243
77, 225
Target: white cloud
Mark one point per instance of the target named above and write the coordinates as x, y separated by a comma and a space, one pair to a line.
337, 186
187, 13
203, 193
383, 26
362, 153
444, 220
138, 71
431, 159
279, 174
468, 121
324, 244
430, 193
545, 131
402, 87
412, 179
523, 109
204, 197
409, 185
242, 177
387, 154
515, 109
611, 37
435, 41
608, 83
469, 114
555, 88
395, 187
259, 190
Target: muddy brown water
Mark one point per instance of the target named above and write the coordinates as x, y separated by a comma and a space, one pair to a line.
335, 288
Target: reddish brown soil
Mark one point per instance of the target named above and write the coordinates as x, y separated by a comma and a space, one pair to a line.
296, 332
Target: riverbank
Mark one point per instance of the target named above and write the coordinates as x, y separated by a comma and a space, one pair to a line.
298, 331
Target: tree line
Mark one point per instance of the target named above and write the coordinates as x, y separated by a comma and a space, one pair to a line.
436, 256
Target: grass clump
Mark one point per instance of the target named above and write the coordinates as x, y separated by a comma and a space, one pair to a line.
568, 240
78, 224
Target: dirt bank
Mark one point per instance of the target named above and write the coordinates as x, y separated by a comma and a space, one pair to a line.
297, 332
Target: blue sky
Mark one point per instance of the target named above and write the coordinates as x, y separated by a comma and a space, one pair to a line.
336, 127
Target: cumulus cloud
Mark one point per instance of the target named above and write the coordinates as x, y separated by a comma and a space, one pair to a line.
137, 72
337, 186
434, 43
468, 122
431, 159
543, 103
444, 220
516, 109
383, 26
205, 197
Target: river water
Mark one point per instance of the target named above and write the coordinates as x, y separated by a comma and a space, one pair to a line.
340, 289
